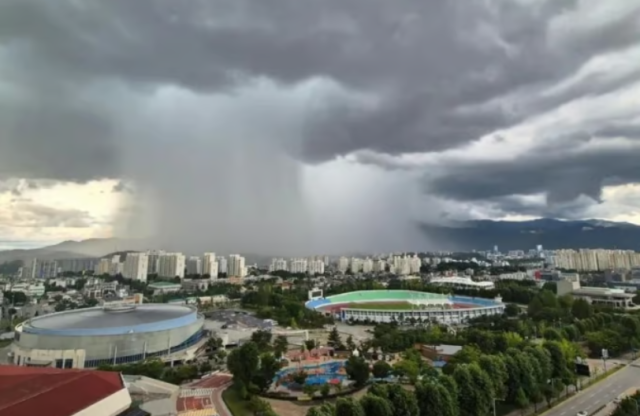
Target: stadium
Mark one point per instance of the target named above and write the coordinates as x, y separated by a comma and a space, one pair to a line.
405, 305
88, 338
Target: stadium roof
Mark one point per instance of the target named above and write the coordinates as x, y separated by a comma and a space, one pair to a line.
100, 318
100, 321
30, 391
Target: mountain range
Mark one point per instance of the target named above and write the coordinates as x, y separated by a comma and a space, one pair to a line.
552, 234
463, 236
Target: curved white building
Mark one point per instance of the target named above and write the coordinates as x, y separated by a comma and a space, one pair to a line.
87, 338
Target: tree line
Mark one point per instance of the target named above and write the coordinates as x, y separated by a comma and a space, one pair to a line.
473, 384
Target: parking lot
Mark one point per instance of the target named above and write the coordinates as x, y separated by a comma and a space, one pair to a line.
236, 326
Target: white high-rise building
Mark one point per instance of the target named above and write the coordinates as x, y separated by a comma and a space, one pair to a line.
401, 265
210, 265
136, 266
237, 266
194, 265
343, 265
171, 265
379, 266
278, 264
367, 265
414, 264
154, 259
298, 266
355, 265
315, 266
223, 265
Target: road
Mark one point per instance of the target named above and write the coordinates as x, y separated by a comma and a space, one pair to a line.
601, 393
218, 401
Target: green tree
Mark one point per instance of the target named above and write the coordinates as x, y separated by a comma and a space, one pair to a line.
300, 377
496, 367
324, 410
381, 369
521, 402
348, 407
376, 406
267, 370
451, 387
280, 345
310, 344
512, 310
581, 309
262, 339
243, 363
484, 390
350, 344
334, 339
408, 369
325, 390
470, 401
379, 390
434, 399
404, 402
358, 370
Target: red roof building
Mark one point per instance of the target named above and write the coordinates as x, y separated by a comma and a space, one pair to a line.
31, 391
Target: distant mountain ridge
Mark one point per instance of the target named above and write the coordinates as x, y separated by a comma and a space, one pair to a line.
523, 235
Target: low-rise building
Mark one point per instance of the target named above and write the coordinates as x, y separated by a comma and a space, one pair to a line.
617, 298
438, 352
164, 287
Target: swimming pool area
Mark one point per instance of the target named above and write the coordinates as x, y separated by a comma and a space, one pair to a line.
317, 374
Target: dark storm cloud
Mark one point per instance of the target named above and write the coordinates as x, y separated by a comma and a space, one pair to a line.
83, 95
563, 176
419, 60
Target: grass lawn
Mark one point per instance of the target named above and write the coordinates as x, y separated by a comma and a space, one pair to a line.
386, 306
236, 405
5, 342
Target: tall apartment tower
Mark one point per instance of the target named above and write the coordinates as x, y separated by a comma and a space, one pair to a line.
194, 265
236, 267
210, 265
154, 258
136, 266
171, 265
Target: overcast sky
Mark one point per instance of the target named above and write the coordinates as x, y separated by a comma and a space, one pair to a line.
288, 126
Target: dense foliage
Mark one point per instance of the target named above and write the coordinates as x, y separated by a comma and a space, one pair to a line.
285, 307
471, 384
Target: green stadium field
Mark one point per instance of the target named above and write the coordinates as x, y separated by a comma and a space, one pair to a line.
381, 306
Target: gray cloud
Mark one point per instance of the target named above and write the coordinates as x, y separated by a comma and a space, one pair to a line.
85, 97
563, 175
419, 61
30, 215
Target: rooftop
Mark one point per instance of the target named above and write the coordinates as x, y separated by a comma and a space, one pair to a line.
29, 391
163, 284
603, 291
101, 318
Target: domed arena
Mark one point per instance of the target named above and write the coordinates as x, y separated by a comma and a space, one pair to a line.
88, 338
405, 305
